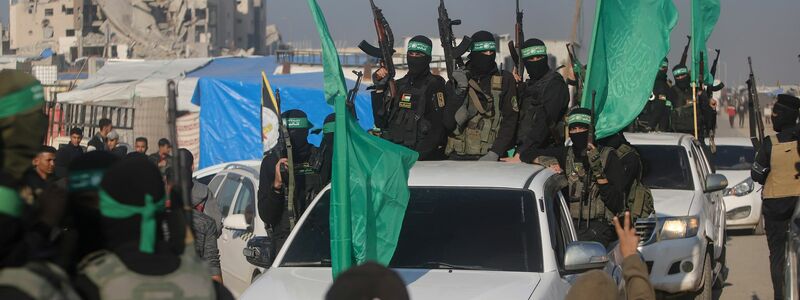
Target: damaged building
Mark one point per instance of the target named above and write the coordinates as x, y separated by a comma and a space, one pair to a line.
152, 29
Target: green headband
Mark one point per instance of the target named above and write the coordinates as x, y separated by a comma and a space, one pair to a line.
579, 118
296, 123
419, 47
84, 180
681, 71
533, 51
484, 46
664, 63
110, 208
25, 99
10, 204
328, 127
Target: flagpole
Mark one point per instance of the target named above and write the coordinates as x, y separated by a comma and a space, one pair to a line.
694, 108
694, 69
584, 100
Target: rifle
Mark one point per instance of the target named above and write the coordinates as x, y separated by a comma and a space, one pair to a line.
577, 69
686, 50
351, 95
754, 108
587, 182
385, 49
179, 164
452, 52
516, 50
284, 143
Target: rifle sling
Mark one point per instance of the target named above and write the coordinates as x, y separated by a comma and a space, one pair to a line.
473, 96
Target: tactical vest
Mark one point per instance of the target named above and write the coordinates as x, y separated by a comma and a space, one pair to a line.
477, 137
682, 117
783, 179
532, 108
308, 178
407, 124
39, 280
639, 199
115, 281
576, 171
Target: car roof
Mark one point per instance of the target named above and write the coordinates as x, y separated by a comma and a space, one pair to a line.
472, 174
249, 166
658, 138
733, 141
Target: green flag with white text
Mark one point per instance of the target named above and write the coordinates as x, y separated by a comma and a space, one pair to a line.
369, 192
629, 41
705, 14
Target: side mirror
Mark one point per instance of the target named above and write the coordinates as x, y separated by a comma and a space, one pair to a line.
260, 251
584, 256
235, 222
715, 182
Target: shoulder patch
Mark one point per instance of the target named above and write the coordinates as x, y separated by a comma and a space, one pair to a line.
440, 99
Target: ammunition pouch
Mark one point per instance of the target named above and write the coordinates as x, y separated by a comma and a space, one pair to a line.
477, 137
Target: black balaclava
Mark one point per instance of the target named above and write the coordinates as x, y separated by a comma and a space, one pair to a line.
83, 235
579, 117
785, 112
679, 70
418, 66
298, 126
613, 141
536, 69
479, 63
662, 70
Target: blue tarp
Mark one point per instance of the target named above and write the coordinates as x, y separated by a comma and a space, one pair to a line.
229, 95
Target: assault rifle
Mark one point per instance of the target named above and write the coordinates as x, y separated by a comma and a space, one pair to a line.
385, 49
351, 95
181, 177
577, 70
284, 144
452, 52
754, 109
516, 49
685, 54
587, 182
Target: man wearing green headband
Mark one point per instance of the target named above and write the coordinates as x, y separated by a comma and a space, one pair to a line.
594, 206
274, 181
682, 117
483, 112
655, 115
136, 261
545, 98
414, 117
22, 123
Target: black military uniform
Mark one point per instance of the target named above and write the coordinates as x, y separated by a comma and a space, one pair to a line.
655, 115
272, 200
545, 98
606, 194
414, 117
682, 117
777, 167
484, 110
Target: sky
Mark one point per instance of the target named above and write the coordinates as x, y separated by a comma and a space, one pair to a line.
768, 30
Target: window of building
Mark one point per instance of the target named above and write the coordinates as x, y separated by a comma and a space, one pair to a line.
48, 12
69, 11
70, 32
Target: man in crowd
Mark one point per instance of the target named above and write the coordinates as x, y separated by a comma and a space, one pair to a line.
545, 98
162, 158
41, 172
775, 167
140, 145
113, 145
67, 153
413, 117
483, 110
99, 140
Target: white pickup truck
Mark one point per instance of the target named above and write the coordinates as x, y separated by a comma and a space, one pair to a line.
472, 230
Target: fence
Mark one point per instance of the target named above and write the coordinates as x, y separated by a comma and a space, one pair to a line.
64, 116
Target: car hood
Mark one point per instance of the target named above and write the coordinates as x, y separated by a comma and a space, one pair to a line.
669, 203
313, 283
734, 177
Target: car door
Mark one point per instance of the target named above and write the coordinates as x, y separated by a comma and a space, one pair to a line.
235, 239
711, 201
228, 189
718, 206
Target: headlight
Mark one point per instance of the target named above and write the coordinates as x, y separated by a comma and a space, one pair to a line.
742, 188
679, 228
739, 213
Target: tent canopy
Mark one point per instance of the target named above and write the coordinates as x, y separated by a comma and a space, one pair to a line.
229, 92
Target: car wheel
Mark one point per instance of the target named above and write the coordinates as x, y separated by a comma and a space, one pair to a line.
759, 229
706, 292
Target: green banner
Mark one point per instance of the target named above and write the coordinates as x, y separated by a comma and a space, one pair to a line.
630, 40
370, 176
705, 14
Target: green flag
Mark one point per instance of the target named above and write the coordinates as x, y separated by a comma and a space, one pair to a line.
629, 41
370, 176
705, 14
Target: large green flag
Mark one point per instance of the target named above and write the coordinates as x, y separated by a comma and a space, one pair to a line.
370, 176
629, 41
705, 14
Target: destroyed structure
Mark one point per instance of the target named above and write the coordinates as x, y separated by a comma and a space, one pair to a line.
152, 29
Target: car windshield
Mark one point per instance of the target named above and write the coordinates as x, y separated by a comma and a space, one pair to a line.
734, 157
444, 228
665, 167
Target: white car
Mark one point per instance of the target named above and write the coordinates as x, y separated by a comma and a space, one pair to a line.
733, 158
472, 230
684, 244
